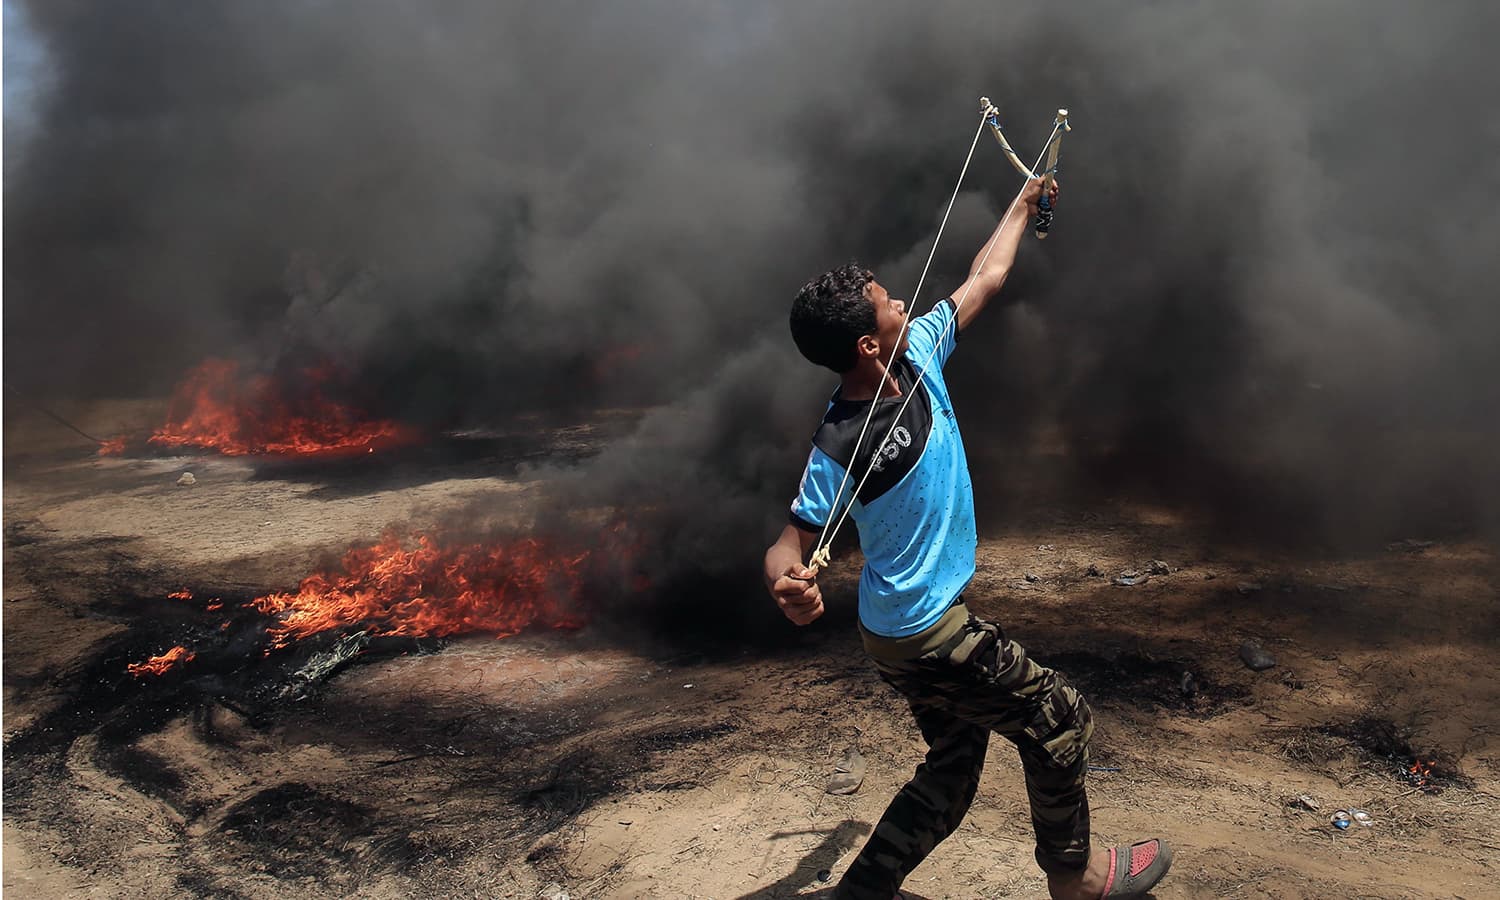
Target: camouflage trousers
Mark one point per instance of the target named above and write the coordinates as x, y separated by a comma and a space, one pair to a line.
975, 682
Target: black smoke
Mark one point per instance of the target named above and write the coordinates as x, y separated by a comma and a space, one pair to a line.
1269, 293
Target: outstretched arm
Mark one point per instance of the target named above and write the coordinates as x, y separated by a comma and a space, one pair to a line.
793, 585
993, 261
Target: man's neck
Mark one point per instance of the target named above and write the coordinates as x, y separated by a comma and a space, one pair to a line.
866, 378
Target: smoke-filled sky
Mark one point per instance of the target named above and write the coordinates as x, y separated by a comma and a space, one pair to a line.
1270, 287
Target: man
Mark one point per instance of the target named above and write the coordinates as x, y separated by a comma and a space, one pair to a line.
915, 513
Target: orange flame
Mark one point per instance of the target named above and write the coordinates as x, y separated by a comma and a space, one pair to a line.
1420, 771
112, 447
425, 590
217, 408
183, 594
160, 665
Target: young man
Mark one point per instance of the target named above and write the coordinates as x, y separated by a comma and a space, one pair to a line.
961, 676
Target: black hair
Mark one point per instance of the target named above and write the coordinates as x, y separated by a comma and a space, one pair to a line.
830, 315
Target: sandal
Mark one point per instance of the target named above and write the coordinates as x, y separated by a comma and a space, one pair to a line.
1134, 870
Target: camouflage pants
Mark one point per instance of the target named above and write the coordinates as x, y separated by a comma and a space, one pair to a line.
977, 682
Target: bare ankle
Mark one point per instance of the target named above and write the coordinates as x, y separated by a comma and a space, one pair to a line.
1084, 884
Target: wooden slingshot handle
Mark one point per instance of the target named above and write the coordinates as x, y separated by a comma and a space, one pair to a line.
1043, 224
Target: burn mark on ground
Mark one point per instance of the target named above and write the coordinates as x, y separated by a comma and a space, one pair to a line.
23, 532
101, 576
572, 785
1380, 744
148, 772
663, 741
1133, 679
295, 830
583, 778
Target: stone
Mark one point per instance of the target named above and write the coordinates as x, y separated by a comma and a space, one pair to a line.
1255, 657
849, 775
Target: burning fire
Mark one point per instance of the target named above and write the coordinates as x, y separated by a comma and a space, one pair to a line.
420, 589
415, 587
213, 605
1419, 772
160, 665
218, 408
112, 447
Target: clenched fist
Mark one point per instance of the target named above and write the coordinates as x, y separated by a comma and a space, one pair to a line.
797, 593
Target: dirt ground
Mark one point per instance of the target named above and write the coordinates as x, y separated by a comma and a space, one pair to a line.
576, 764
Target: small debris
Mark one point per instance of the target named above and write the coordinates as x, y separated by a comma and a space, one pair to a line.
1249, 587
1044, 546
850, 774
824, 875
1131, 579
1255, 657
688, 685
1188, 685
1032, 578
1340, 819
627, 822
186, 479
553, 891
1303, 801
1209, 576
1361, 817
322, 665
716, 827
1157, 567
1093, 571
1104, 768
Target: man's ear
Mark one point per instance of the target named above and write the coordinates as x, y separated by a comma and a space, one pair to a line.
868, 346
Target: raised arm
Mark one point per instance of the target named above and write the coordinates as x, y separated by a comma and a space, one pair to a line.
993, 261
792, 584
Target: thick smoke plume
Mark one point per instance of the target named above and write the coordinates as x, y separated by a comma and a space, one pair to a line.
1269, 293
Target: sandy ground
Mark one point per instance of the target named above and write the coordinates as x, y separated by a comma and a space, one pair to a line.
572, 763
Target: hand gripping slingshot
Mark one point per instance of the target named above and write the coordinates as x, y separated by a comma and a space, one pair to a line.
989, 116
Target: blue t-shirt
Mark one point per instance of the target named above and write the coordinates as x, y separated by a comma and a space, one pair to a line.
915, 512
